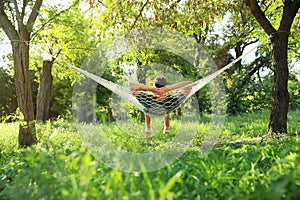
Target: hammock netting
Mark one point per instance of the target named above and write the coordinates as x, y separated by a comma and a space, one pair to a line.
160, 107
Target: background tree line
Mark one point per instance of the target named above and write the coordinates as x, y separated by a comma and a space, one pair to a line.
70, 32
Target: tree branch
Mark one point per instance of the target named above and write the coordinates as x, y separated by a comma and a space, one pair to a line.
21, 26
247, 78
248, 43
174, 4
49, 20
35, 11
23, 9
12, 13
17, 11
6, 24
139, 15
260, 16
290, 10
267, 6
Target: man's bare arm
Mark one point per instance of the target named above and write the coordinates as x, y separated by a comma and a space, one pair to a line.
141, 87
165, 89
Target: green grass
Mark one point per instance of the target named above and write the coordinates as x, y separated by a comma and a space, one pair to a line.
243, 165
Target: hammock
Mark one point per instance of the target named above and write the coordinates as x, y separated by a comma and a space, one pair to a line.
160, 107
147, 101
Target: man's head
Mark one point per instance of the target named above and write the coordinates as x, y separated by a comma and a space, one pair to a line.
160, 81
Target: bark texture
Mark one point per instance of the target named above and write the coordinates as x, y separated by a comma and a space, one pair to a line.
44, 92
24, 95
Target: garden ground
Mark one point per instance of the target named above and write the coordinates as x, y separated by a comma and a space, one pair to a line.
244, 164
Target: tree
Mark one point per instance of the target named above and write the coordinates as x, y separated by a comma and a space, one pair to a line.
70, 34
46, 78
44, 91
18, 28
279, 41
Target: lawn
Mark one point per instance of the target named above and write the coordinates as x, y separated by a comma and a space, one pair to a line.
244, 164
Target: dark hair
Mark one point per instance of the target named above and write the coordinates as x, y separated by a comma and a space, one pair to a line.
160, 81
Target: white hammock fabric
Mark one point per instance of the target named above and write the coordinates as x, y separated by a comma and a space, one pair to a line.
115, 88
147, 101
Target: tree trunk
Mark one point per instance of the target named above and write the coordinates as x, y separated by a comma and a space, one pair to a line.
279, 39
280, 95
238, 52
24, 95
110, 115
44, 91
18, 33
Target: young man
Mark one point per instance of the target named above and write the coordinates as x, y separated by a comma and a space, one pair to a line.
161, 88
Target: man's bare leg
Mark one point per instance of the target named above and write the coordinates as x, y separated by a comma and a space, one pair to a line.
148, 125
167, 125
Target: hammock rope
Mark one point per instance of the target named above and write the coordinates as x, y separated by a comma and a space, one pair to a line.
115, 88
202, 82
